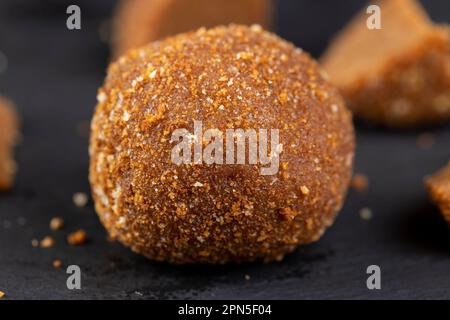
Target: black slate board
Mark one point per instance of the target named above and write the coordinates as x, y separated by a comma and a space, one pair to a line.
53, 76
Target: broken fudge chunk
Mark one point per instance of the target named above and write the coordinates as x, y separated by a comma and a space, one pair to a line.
139, 22
439, 188
398, 75
8, 135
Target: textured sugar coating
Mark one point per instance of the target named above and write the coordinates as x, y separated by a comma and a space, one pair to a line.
9, 125
227, 77
138, 22
439, 188
399, 76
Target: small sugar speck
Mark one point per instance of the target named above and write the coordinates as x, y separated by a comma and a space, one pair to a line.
35, 243
365, 214
80, 199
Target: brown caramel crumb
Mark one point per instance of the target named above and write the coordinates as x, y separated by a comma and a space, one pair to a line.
47, 242
288, 213
304, 190
80, 199
360, 182
438, 186
57, 264
425, 141
56, 223
77, 238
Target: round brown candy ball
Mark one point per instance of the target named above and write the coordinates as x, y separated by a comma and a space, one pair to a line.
228, 78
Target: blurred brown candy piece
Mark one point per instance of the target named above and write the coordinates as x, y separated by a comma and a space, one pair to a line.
8, 135
438, 186
399, 75
139, 22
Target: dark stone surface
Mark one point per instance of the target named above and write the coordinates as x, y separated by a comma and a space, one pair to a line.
53, 76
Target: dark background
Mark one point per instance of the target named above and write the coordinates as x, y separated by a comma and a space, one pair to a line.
53, 75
